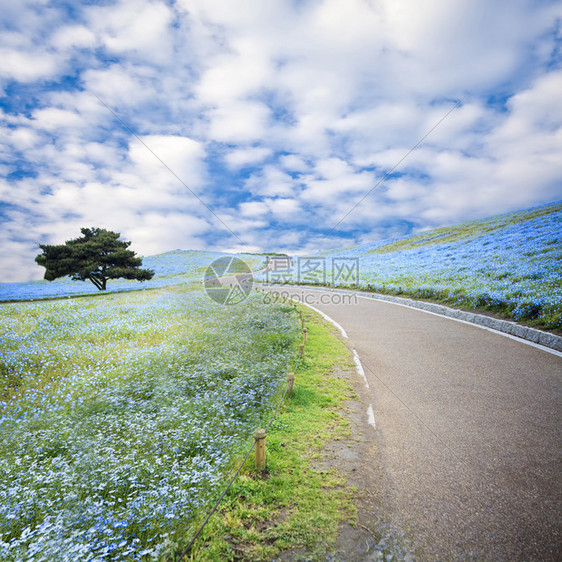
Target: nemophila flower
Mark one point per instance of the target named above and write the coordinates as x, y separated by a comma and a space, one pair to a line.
517, 267
172, 268
121, 426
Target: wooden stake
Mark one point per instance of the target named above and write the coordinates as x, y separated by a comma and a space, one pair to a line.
304, 333
301, 349
290, 383
259, 436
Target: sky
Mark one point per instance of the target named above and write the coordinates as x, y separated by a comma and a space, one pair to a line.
279, 125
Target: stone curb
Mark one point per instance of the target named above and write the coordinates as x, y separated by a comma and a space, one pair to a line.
512, 328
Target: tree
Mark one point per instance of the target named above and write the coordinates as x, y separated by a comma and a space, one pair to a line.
98, 255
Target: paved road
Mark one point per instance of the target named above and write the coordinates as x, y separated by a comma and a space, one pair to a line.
469, 425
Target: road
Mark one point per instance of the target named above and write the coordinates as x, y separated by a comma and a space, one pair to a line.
468, 424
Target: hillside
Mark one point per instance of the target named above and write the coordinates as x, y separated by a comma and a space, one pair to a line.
510, 264
170, 268
120, 415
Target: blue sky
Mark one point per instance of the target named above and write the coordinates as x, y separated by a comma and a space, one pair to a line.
280, 116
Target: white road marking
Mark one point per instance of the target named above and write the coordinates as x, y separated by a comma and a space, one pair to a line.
326, 317
374, 297
371, 416
360, 367
370, 413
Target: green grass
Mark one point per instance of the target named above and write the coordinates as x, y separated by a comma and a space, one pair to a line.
509, 265
466, 230
120, 415
294, 504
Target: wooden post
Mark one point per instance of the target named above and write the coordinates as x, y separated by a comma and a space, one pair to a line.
304, 333
301, 349
259, 436
290, 383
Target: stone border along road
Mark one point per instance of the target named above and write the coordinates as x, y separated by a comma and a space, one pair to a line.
505, 327
467, 424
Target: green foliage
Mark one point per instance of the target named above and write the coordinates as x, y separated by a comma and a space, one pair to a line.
120, 413
295, 504
98, 255
466, 231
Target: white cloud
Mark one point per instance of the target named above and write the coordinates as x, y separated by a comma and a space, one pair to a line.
243, 157
293, 163
285, 208
271, 181
236, 75
27, 66
20, 139
334, 178
244, 227
73, 36
534, 111
16, 259
253, 209
238, 122
461, 45
120, 85
155, 155
136, 28
52, 118
307, 103
155, 233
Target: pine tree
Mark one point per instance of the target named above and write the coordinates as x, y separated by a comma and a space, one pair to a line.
98, 255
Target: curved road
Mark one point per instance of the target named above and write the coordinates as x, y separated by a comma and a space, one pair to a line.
468, 424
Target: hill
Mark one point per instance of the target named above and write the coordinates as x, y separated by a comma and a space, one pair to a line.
510, 264
170, 268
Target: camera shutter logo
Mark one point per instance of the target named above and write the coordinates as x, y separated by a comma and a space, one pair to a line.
228, 280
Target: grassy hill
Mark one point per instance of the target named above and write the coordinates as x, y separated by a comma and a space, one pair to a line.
510, 264
120, 415
170, 268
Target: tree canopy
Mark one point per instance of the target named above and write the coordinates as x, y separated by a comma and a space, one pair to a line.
97, 255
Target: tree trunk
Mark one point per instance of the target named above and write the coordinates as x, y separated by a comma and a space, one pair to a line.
97, 282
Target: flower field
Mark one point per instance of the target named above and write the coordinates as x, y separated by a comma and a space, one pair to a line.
511, 264
120, 413
171, 268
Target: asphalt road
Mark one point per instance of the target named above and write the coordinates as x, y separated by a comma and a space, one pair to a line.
469, 425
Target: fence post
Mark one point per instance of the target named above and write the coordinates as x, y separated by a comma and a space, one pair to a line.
290, 383
259, 437
301, 349
304, 333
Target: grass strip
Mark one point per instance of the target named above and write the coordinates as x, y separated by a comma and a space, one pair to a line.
293, 504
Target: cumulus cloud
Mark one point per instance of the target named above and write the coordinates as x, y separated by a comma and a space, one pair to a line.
155, 155
253, 209
293, 163
26, 67
72, 36
243, 157
280, 116
139, 29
